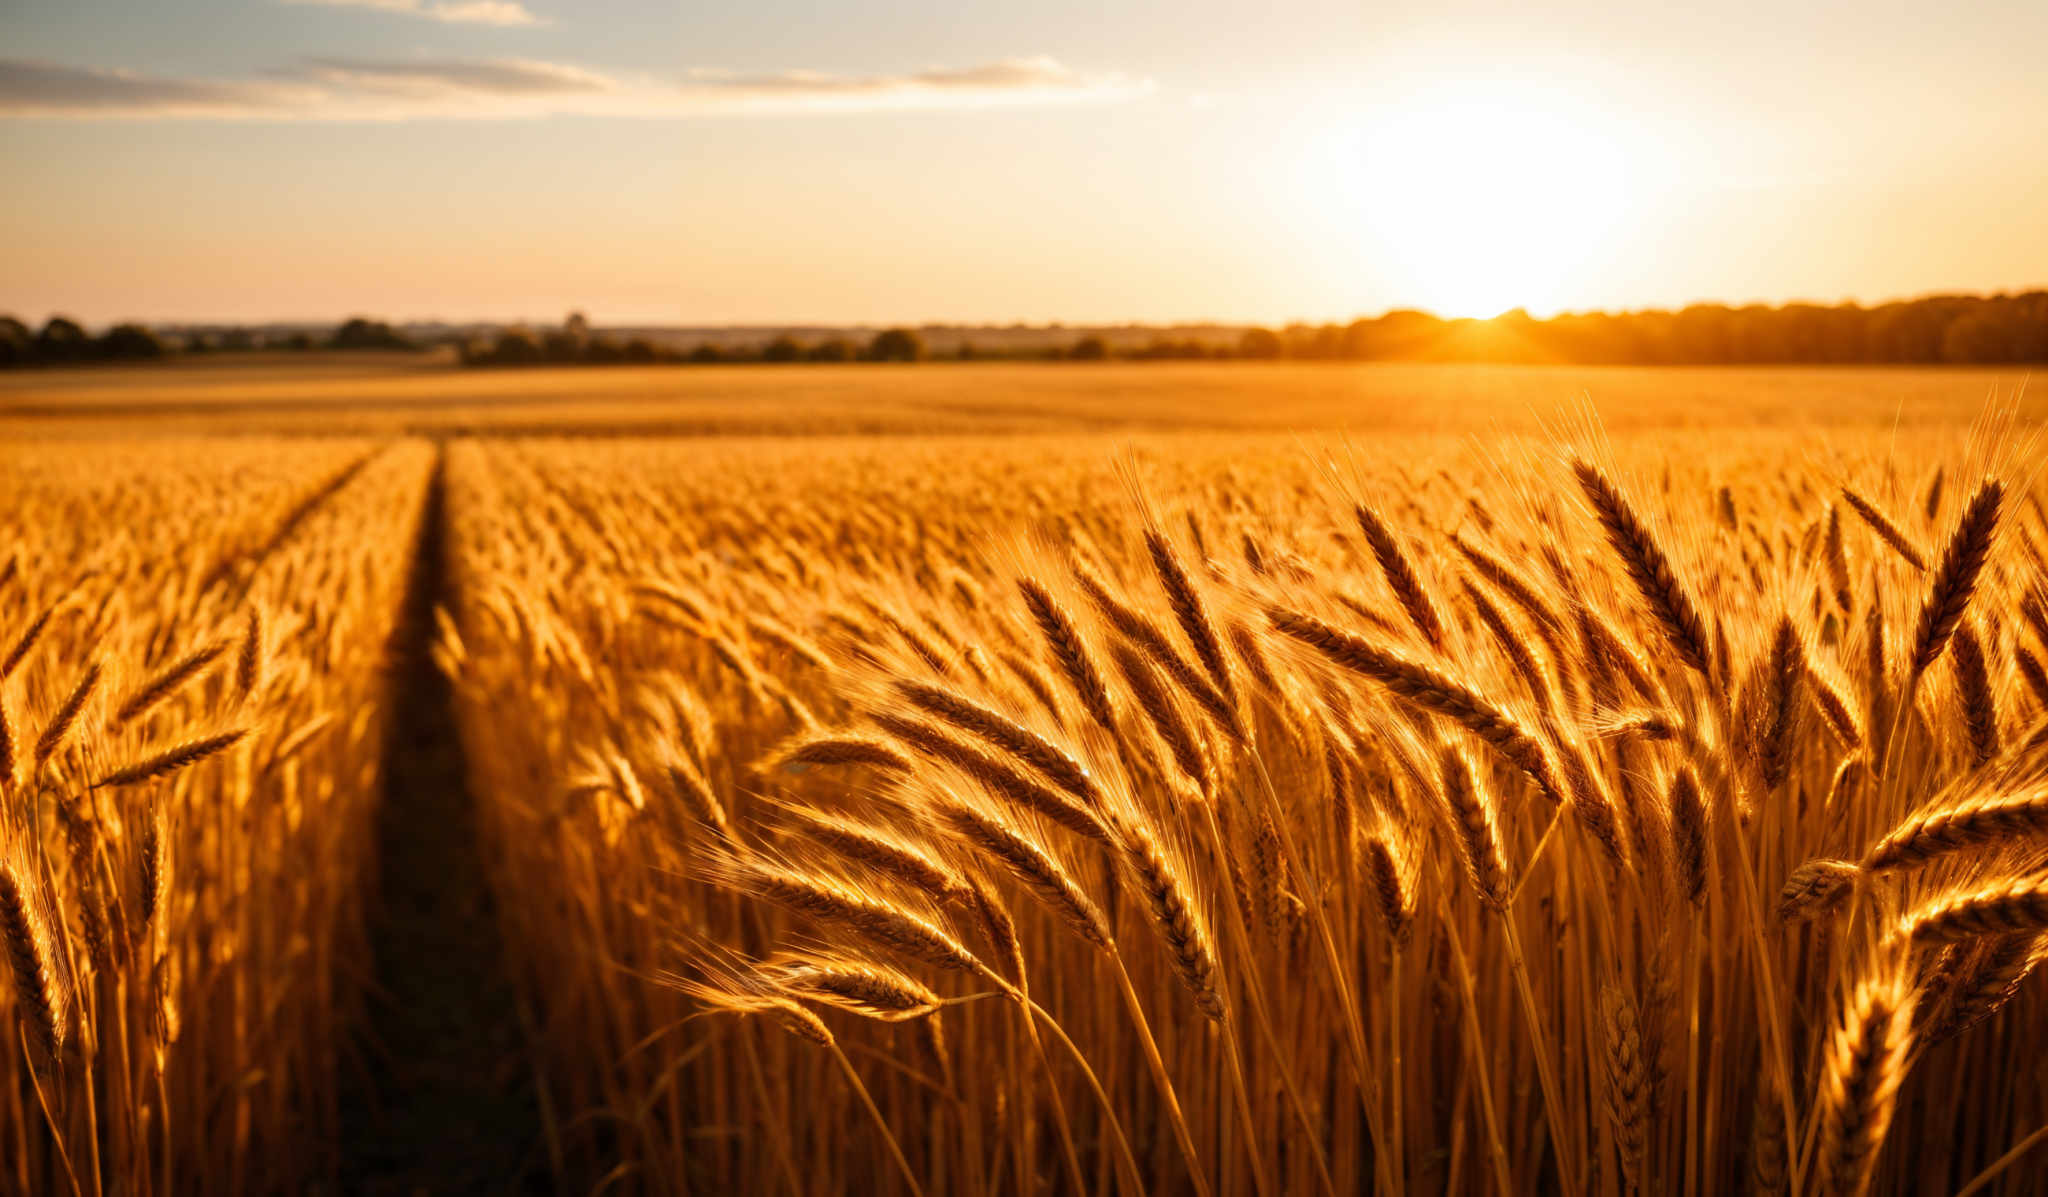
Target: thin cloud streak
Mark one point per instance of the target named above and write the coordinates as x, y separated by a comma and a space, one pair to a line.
497, 76
451, 12
332, 88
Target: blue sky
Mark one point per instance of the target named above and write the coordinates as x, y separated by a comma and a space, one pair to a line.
782, 161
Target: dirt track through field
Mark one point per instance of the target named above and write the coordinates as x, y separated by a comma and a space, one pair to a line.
443, 1101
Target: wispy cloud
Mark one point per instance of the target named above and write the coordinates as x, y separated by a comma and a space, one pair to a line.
345, 89
443, 77
29, 87
1012, 75
453, 12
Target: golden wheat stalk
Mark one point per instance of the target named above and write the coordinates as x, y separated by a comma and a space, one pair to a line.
60, 724
1816, 888
1980, 706
1401, 577
1887, 530
1030, 865
1139, 631
998, 777
1069, 652
1863, 1065
1429, 690
1175, 915
842, 749
166, 761
167, 681
860, 986
836, 903
883, 850
1955, 579
26, 642
1049, 759
1648, 567
1627, 1081
1474, 829
1689, 834
1979, 822
2012, 908
1191, 613
41, 995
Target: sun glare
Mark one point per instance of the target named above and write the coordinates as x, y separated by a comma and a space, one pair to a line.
1480, 198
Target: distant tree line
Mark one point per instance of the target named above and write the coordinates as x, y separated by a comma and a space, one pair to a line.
1942, 329
1945, 329
63, 340
573, 343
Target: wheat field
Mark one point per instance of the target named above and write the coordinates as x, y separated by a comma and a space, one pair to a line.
1647, 804
190, 741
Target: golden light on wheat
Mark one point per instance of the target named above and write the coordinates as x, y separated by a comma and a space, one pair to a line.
986, 815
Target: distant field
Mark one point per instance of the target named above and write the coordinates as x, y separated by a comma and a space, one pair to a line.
1217, 779
391, 394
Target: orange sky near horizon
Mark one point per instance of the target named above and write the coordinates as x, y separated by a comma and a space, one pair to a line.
248, 160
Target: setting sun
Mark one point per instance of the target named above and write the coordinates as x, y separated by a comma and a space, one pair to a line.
1488, 197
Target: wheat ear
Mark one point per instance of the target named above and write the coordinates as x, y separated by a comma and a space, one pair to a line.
1977, 823
67, 714
1886, 530
1814, 889
1069, 652
1955, 580
1191, 613
39, 989
1049, 759
167, 761
1401, 576
2014, 908
166, 682
1429, 690
1031, 865
1627, 1081
1648, 567
1862, 1068
1175, 916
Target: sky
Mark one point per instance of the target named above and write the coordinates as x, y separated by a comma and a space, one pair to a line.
1086, 161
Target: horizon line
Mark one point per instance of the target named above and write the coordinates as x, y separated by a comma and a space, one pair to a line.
1050, 323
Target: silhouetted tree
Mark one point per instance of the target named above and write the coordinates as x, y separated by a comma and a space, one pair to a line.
1260, 344
360, 332
896, 345
1089, 349
129, 342
62, 340
17, 344
516, 346
782, 349
561, 345
833, 349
